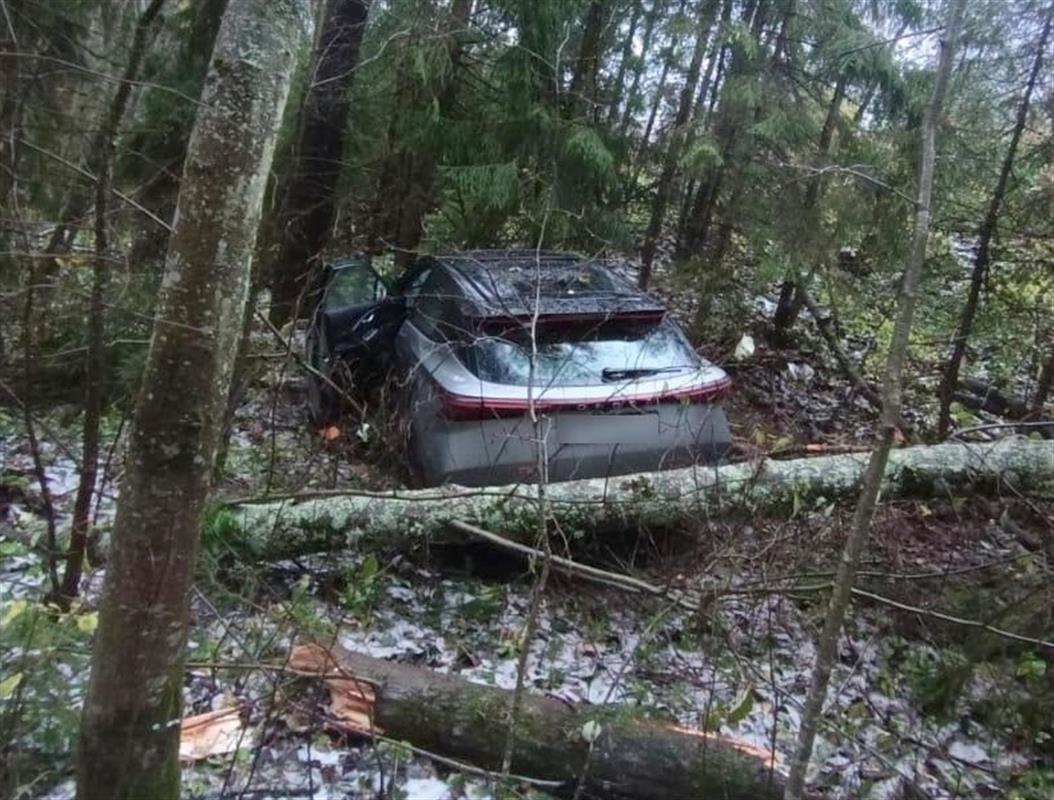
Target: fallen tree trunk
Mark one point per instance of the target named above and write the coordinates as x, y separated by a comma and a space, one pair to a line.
983, 396
632, 756
280, 528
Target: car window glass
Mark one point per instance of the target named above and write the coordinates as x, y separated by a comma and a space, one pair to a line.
435, 307
578, 356
351, 286
413, 288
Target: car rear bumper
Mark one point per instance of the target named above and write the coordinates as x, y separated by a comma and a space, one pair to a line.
577, 445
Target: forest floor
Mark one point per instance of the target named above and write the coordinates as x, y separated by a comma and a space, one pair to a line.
919, 706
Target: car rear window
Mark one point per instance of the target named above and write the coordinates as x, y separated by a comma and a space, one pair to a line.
579, 355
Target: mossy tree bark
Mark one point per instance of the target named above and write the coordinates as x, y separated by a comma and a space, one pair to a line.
871, 485
130, 729
632, 756
677, 498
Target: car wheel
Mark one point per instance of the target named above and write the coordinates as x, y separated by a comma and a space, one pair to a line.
323, 401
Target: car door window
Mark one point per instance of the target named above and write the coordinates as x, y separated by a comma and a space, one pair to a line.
435, 307
352, 284
412, 286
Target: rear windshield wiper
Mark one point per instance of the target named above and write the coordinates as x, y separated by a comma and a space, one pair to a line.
609, 374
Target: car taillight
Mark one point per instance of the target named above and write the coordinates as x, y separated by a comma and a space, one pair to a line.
707, 393
465, 407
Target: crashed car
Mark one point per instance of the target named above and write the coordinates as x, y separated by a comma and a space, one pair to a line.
495, 354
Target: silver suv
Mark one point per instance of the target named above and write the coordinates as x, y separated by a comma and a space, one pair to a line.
476, 341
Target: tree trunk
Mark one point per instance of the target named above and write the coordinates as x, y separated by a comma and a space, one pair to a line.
1043, 385
98, 156
629, 757
128, 744
411, 173
660, 88
698, 116
950, 377
280, 528
871, 485
10, 106
826, 327
309, 200
95, 367
167, 147
729, 132
583, 89
791, 300
631, 97
624, 59
675, 146
645, 139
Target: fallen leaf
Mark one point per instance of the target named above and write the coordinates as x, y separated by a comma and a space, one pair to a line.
9, 684
351, 700
211, 734
330, 433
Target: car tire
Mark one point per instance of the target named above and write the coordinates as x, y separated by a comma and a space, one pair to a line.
323, 401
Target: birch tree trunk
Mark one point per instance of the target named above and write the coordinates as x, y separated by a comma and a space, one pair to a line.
281, 528
130, 732
827, 649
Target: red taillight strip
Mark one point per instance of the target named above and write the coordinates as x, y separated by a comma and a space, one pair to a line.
463, 407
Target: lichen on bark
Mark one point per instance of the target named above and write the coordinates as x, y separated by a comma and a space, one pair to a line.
129, 735
677, 498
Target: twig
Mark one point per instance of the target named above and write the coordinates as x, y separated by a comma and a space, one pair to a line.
302, 363
852, 171
85, 174
968, 623
628, 583
106, 77
1001, 425
585, 571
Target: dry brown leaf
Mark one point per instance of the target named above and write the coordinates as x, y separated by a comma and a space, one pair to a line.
330, 433
351, 700
211, 734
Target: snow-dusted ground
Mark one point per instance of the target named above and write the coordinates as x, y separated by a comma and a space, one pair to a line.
593, 646
741, 668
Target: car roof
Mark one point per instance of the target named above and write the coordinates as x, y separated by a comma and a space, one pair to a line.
506, 283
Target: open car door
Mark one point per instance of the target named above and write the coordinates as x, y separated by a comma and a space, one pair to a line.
351, 333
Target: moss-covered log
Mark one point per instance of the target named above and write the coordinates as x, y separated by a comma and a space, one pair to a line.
677, 498
633, 757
